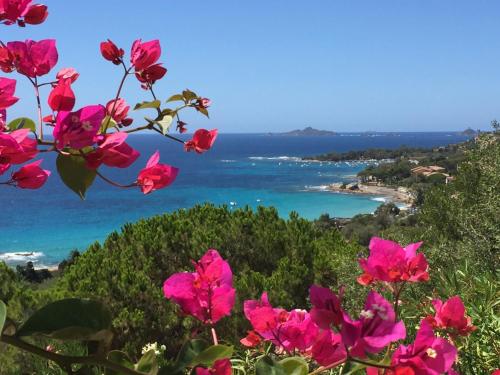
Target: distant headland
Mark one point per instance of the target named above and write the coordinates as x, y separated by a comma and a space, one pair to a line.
470, 132
308, 131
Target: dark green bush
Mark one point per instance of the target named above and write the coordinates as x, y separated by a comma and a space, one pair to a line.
266, 252
460, 226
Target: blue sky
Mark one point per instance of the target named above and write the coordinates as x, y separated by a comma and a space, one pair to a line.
279, 65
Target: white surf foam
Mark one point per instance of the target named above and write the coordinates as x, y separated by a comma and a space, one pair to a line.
21, 256
316, 187
379, 199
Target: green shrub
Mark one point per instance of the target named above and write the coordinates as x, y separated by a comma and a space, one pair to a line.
266, 252
479, 353
21, 299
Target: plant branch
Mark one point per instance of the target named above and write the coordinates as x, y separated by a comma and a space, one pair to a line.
39, 105
149, 126
63, 361
214, 336
371, 364
168, 135
396, 300
109, 181
46, 83
120, 87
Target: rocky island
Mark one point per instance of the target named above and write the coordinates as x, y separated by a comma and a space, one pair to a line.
308, 131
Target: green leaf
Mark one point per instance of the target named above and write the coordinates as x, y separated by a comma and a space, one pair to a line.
176, 98
144, 105
295, 366
120, 358
148, 363
3, 315
267, 366
165, 123
111, 124
70, 319
189, 95
22, 123
75, 174
353, 368
203, 111
188, 352
211, 354
168, 111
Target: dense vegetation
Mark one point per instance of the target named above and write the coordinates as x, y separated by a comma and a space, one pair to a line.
265, 252
418, 153
398, 171
458, 223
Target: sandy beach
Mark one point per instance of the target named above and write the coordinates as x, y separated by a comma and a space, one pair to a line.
398, 195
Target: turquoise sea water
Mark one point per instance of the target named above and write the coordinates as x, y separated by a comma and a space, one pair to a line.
241, 170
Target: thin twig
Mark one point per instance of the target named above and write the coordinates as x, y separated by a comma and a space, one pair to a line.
109, 181
117, 96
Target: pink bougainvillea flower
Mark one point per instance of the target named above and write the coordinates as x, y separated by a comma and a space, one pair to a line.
206, 294
78, 129
6, 60
156, 176
390, 262
49, 120
374, 330
143, 55
427, 355
62, 97
298, 332
265, 319
181, 127
151, 74
327, 308
203, 103
16, 148
251, 340
30, 176
220, 367
291, 331
12, 10
7, 89
329, 349
118, 110
202, 141
113, 152
22, 12
3, 120
34, 59
111, 52
67, 73
450, 315
36, 14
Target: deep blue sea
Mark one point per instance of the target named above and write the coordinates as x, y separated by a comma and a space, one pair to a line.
256, 169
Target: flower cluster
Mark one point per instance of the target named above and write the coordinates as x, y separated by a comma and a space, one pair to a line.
327, 335
207, 294
22, 12
91, 136
158, 349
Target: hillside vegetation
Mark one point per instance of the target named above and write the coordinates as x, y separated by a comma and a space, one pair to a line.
458, 222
